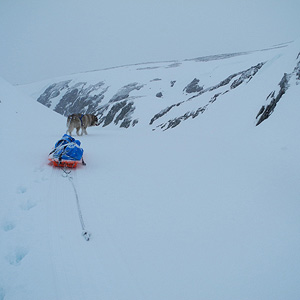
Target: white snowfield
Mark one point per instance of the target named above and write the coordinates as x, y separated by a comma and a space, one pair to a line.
208, 210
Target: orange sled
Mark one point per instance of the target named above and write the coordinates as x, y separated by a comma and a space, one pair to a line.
64, 163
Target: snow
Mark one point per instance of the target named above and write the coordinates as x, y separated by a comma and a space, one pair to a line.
208, 210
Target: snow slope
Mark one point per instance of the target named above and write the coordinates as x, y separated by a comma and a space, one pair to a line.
163, 95
208, 210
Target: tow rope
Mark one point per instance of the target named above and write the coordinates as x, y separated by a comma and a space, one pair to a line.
86, 234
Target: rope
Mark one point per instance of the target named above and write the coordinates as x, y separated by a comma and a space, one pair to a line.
78, 204
85, 233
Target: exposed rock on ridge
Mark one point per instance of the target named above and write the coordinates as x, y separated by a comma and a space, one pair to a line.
241, 77
164, 94
274, 97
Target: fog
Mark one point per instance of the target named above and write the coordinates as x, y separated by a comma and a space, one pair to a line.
50, 38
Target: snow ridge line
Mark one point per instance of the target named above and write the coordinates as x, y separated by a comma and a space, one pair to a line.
85, 233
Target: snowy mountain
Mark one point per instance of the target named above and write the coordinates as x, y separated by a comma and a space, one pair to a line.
164, 94
207, 210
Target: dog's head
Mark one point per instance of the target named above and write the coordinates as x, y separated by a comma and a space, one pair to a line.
94, 121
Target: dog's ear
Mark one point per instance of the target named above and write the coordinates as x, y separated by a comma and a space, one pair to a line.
96, 122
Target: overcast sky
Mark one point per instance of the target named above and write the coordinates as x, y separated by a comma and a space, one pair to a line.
41, 39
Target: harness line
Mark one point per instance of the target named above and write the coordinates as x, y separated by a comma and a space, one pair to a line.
85, 233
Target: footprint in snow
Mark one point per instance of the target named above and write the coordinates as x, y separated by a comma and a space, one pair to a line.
7, 226
21, 189
16, 256
28, 204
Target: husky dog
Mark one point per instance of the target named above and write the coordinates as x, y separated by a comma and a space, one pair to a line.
81, 121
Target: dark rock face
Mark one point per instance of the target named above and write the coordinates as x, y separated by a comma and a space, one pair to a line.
241, 77
246, 76
73, 99
193, 87
53, 91
274, 97
78, 99
119, 108
125, 115
163, 112
121, 111
172, 83
112, 113
175, 122
124, 92
84, 98
297, 70
267, 110
67, 98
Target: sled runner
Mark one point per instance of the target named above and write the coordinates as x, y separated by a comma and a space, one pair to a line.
66, 153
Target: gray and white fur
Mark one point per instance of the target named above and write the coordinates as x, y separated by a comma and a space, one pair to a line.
81, 121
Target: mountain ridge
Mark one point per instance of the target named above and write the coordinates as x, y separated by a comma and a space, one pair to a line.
147, 94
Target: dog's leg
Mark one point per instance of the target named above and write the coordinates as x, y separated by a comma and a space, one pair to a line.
77, 131
69, 125
69, 130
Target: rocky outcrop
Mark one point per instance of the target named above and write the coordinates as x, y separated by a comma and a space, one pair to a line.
81, 98
193, 87
175, 122
163, 112
67, 99
229, 83
124, 92
53, 91
118, 112
275, 96
176, 94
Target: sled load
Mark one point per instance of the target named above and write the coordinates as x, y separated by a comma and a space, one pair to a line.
66, 153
